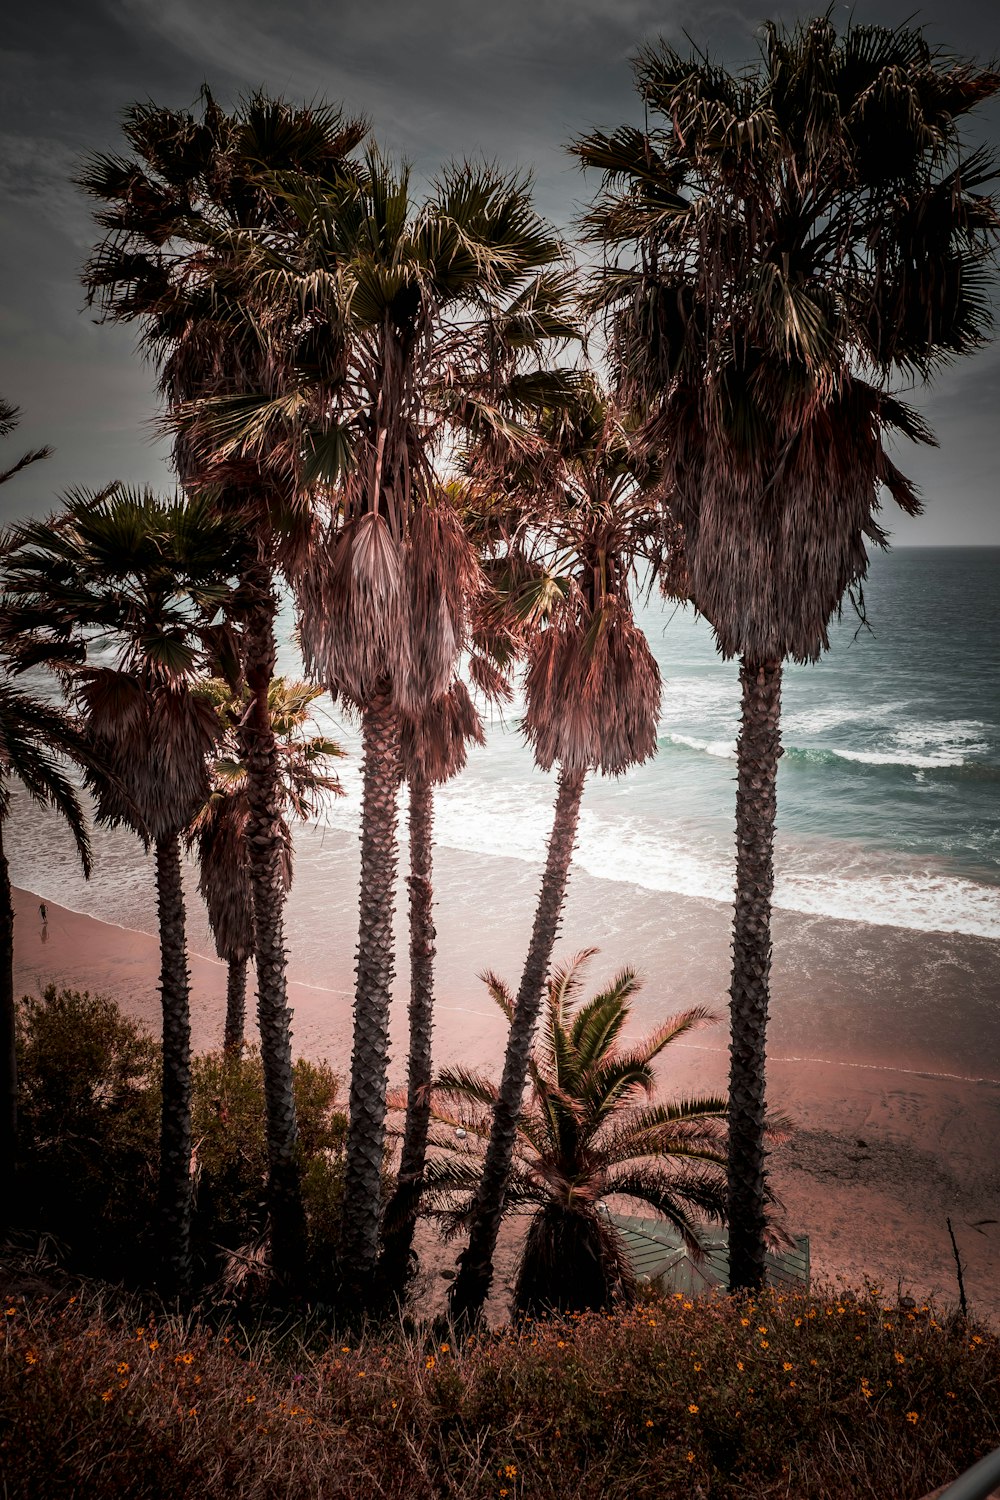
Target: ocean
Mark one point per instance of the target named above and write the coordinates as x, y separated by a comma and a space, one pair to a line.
887, 805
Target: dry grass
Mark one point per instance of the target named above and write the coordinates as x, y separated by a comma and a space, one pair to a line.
834, 1396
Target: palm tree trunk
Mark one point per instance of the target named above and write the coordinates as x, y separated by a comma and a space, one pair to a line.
756, 806
8, 1051
471, 1286
403, 1205
369, 1061
236, 1005
264, 840
175, 1119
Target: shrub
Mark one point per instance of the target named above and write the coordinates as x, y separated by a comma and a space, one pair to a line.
88, 1128
89, 1110
820, 1397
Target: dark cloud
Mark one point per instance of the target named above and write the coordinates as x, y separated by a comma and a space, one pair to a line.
513, 81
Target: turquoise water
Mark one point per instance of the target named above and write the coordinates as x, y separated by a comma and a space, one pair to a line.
887, 798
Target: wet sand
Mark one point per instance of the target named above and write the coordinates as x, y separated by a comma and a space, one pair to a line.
886, 1146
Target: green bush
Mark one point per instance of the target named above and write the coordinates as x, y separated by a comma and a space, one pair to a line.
89, 1133
231, 1150
88, 1128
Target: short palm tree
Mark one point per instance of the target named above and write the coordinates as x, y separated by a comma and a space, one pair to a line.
433, 749
175, 209
792, 239
143, 576
588, 1131
219, 830
592, 692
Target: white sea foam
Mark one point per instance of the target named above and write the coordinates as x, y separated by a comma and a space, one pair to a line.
513, 821
722, 749
899, 757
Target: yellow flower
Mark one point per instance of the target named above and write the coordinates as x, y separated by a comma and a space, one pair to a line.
786, 1365
764, 1344
649, 1421
761, 1328
739, 1364
911, 1416
154, 1344
745, 1322
689, 1305
445, 1348
697, 1366
31, 1357
11, 1312
693, 1409
123, 1366
690, 1457
510, 1471
192, 1411
900, 1358
251, 1400
106, 1396
798, 1322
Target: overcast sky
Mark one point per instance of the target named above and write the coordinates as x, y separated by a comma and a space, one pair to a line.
512, 79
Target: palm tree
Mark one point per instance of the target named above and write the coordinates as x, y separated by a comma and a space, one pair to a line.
588, 1131
10, 416
592, 691
793, 237
140, 575
219, 829
433, 749
175, 211
409, 296
34, 738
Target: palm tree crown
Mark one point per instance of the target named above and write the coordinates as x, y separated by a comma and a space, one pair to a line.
792, 237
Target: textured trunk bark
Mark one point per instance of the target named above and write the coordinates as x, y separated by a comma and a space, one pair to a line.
471, 1286
8, 1052
264, 838
236, 1005
175, 1119
756, 807
369, 1061
398, 1241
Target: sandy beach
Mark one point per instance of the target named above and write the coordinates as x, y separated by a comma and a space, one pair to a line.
880, 1157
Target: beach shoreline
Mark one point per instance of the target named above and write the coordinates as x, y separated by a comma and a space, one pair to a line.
879, 1158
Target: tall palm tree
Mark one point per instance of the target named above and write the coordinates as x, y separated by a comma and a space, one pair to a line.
592, 693
410, 291
219, 829
175, 210
141, 576
587, 1132
433, 749
792, 238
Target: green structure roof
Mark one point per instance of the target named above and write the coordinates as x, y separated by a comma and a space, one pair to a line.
656, 1251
